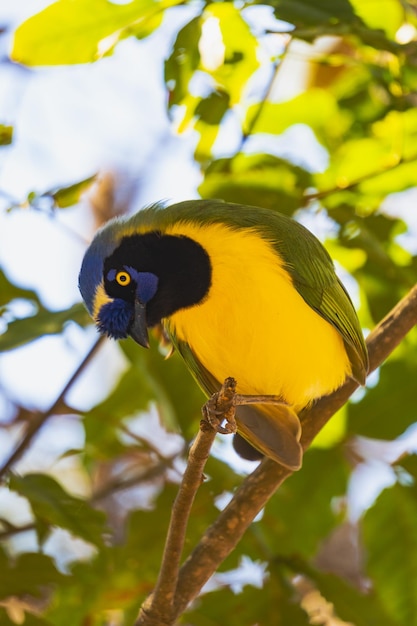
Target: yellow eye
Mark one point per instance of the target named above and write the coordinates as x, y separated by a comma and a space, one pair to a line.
123, 278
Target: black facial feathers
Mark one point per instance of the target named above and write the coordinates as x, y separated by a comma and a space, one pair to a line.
181, 265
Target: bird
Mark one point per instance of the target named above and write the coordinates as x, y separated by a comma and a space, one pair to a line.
241, 291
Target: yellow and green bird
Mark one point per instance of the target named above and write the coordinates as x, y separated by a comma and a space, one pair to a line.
241, 291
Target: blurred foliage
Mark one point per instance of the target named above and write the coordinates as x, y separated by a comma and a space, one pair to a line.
6, 135
356, 95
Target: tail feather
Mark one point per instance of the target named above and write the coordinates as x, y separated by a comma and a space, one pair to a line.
273, 430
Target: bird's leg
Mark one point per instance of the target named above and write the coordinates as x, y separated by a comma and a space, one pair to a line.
221, 407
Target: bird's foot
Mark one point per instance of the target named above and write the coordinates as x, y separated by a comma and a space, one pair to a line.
221, 408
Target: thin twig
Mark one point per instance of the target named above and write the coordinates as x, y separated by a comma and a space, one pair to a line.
224, 534
11, 530
158, 608
318, 195
276, 66
39, 420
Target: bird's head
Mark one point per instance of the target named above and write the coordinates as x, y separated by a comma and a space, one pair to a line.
116, 293
132, 280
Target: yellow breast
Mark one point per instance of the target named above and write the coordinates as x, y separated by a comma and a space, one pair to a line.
254, 325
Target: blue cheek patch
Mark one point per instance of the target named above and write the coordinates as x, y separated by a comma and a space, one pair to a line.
111, 275
114, 318
147, 284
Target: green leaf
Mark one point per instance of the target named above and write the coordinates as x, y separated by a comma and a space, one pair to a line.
22, 331
229, 62
387, 15
272, 605
390, 537
286, 527
132, 394
316, 18
28, 573
179, 399
6, 135
183, 61
117, 578
260, 180
333, 432
350, 604
240, 59
68, 196
52, 505
81, 31
317, 108
209, 113
314, 12
354, 161
389, 408
409, 464
9, 292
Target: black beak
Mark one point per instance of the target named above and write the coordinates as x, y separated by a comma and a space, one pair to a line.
138, 329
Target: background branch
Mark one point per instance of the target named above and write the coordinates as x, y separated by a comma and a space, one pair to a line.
39, 420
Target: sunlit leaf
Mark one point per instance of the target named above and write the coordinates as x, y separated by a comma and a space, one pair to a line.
354, 161
183, 61
6, 135
240, 50
68, 196
333, 432
81, 31
316, 108
56, 507
387, 15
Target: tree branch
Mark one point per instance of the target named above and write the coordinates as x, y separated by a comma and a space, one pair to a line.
318, 195
224, 534
158, 608
39, 420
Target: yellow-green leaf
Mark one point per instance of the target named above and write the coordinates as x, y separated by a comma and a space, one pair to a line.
6, 135
387, 15
81, 31
316, 107
239, 59
68, 196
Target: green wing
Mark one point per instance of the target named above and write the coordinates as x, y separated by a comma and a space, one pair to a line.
312, 272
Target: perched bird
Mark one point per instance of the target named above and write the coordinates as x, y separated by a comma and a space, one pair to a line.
242, 292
